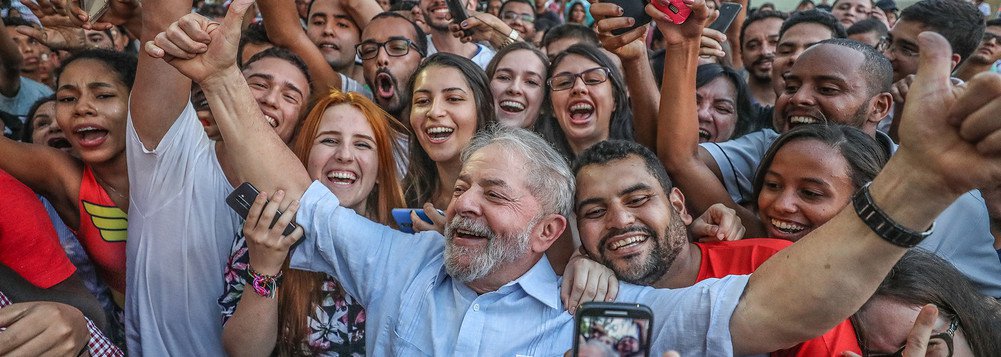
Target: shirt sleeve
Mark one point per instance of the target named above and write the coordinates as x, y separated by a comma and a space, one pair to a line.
28, 241
738, 160
367, 258
694, 321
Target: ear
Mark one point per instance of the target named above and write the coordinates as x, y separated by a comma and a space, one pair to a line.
879, 108
547, 231
955, 60
677, 200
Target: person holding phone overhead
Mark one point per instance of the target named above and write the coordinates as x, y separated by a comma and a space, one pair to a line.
347, 143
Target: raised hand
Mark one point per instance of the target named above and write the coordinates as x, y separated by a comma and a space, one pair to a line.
690, 30
437, 220
608, 17
267, 244
42, 329
482, 27
952, 133
200, 48
67, 38
718, 223
586, 280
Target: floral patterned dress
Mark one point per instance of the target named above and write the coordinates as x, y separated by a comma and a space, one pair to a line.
337, 326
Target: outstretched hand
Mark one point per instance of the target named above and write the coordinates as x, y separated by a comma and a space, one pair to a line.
198, 47
717, 224
950, 130
688, 31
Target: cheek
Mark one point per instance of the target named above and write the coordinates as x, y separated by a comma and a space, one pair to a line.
318, 157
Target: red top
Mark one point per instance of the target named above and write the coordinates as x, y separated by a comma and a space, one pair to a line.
102, 231
743, 257
28, 241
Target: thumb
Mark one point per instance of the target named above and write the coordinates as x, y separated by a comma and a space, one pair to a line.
234, 17
31, 32
934, 63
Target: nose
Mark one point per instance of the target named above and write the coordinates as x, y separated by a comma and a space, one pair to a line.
437, 108
270, 98
620, 217
578, 86
803, 97
382, 57
344, 152
465, 205
785, 202
515, 87
83, 107
704, 113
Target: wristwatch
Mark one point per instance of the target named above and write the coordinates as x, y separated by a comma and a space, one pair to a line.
883, 225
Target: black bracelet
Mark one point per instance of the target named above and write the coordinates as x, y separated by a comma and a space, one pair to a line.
883, 225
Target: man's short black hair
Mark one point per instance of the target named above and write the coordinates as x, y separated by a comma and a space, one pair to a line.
758, 16
960, 22
421, 39
526, 2
17, 21
612, 150
281, 53
819, 17
876, 68
868, 25
255, 33
577, 31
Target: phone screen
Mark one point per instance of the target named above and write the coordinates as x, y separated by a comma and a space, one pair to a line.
613, 336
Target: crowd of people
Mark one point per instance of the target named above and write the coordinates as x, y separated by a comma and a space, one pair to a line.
546, 153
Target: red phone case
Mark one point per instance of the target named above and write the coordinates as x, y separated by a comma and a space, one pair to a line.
676, 10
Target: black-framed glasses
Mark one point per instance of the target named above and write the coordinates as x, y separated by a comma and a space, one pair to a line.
946, 337
886, 44
512, 16
396, 47
591, 77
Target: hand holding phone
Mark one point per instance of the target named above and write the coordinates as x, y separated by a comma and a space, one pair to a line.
727, 12
617, 329
243, 198
676, 10
405, 222
630, 8
458, 12
95, 9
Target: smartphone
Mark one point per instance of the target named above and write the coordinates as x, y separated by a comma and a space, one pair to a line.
95, 9
727, 12
675, 10
402, 218
458, 11
243, 197
634, 9
616, 329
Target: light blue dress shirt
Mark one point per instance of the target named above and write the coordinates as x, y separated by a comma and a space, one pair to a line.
413, 308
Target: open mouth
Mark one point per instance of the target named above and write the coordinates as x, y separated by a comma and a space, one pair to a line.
797, 120
786, 227
439, 134
704, 135
511, 106
90, 136
271, 121
342, 177
58, 143
580, 113
385, 86
328, 46
470, 234
626, 243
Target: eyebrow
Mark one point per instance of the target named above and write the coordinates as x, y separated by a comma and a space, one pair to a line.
492, 182
509, 69
628, 190
94, 85
271, 78
335, 132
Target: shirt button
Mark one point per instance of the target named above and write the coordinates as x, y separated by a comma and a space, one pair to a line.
476, 307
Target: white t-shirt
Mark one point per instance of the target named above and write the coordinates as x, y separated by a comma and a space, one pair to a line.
180, 235
483, 53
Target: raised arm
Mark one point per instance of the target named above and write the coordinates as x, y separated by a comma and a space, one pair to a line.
282, 23
10, 64
677, 125
825, 277
160, 91
259, 155
631, 50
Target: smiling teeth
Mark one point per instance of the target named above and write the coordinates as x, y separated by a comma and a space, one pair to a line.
703, 133
626, 242
581, 107
86, 128
510, 104
787, 227
440, 130
271, 121
343, 175
802, 120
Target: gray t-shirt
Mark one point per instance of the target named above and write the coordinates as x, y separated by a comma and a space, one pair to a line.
180, 234
29, 93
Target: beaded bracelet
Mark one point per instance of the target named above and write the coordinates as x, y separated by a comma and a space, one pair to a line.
265, 285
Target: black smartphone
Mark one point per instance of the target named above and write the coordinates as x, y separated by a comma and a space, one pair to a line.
727, 12
243, 197
634, 9
458, 11
612, 329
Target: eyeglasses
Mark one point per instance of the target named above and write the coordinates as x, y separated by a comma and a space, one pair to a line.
989, 36
946, 337
591, 77
511, 16
887, 44
395, 48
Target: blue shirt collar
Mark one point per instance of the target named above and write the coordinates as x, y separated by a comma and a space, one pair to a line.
541, 283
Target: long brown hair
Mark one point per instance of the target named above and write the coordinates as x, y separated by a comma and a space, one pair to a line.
300, 292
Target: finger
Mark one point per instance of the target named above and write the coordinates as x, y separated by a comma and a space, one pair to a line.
256, 208
470, 23
613, 288
605, 10
271, 209
980, 96
288, 214
183, 40
32, 32
170, 48
917, 339
713, 34
711, 43
934, 64
436, 218
991, 145
293, 237
624, 39
613, 23
895, 93
419, 224
601, 289
701, 228
578, 288
194, 28
234, 17
153, 50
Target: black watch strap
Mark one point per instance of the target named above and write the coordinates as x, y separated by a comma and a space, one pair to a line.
879, 222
